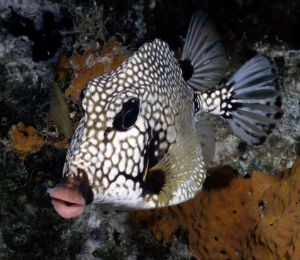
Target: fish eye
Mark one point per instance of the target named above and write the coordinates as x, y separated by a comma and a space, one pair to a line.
126, 118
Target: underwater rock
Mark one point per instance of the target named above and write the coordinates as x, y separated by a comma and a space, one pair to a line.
236, 218
47, 40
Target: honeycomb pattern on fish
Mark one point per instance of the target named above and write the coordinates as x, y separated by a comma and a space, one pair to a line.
115, 160
142, 143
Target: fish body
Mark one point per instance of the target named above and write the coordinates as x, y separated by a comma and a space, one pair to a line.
141, 143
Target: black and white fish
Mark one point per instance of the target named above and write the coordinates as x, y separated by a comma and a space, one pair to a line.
142, 144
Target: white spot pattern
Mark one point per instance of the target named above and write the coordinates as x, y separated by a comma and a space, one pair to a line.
114, 161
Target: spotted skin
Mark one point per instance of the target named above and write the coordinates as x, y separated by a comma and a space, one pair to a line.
113, 160
140, 143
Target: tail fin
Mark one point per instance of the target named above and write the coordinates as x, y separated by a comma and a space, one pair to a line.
254, 104
203, 61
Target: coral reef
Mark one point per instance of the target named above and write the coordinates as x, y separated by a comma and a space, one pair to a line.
69, 42
236, 218
90, 65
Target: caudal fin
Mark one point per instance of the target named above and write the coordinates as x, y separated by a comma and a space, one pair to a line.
203, 61
253, 107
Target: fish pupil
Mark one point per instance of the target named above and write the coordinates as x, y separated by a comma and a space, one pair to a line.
187, 69
130, 117
126, 118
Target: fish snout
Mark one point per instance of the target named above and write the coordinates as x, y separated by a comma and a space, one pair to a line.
70, 197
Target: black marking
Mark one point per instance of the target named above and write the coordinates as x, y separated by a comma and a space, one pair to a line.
278, 101
229, 116
229, 105
278, 115
223, 252
127, 117
187, 69
155, 179
235, 106
276, 85
269, 130
262, 139
86, 189
261, 204
152, 148
24, 133
154, 182
229, 85
196, 103
274, 70
80, 182
242, 146
82, 93
81, 97
106, 132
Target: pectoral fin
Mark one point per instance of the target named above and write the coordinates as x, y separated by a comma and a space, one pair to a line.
179, 175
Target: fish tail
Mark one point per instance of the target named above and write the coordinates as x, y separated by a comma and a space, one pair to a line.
250, 102
203, 61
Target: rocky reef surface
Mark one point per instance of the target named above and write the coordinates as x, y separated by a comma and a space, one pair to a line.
67, 43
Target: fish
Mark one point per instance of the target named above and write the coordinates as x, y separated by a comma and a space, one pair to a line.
143, 142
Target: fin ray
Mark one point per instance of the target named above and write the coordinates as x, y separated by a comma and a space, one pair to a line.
255, 100
204, 50
183, 166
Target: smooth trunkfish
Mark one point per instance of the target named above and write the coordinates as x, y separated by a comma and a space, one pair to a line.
142, 144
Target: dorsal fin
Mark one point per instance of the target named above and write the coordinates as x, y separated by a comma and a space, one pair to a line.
203, 61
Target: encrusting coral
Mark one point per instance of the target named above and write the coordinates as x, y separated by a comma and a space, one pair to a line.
236, 218
90, 65
25, 139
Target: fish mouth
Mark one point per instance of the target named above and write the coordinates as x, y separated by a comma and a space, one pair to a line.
68, 202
